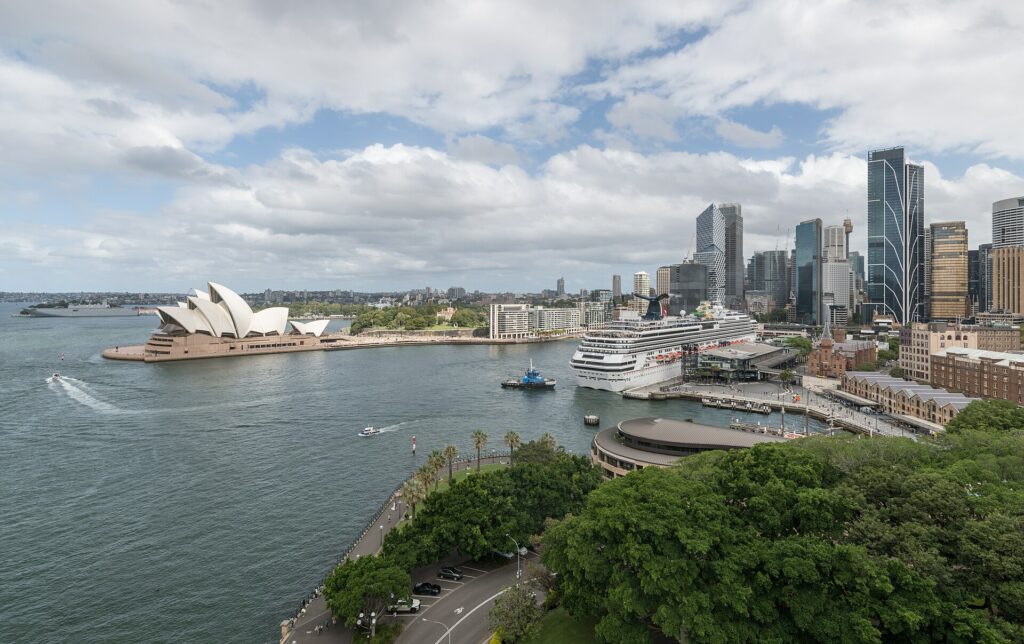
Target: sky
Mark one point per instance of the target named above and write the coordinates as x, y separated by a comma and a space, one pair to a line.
155, 146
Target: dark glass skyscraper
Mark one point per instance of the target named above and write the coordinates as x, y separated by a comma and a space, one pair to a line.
733, 215
688, 287
895, 266
808, 272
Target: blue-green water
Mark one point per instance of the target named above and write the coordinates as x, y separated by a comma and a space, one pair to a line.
199, 501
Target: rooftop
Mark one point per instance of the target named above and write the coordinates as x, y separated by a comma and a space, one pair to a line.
743, 350
684, 432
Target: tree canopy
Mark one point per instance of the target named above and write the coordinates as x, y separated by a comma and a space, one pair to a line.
366, 585
822, 539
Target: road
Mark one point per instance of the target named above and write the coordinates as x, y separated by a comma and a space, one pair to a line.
459, 614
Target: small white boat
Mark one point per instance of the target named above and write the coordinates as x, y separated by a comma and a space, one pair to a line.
369, 431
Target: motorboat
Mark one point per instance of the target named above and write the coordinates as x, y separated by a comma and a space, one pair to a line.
56, 376
532, 380
369, 431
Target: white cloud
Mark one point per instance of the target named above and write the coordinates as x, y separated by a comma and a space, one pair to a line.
929, 75
477, 147
747, 137
647, 116
398, 216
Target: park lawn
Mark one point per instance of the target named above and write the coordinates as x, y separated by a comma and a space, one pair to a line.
558, 627
463, 473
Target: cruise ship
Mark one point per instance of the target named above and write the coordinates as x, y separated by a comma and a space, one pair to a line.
635, 352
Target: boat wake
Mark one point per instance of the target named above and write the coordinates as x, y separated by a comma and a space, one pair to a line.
396, 426
72, 387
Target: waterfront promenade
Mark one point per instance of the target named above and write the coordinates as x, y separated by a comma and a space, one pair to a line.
815, 405
313, 612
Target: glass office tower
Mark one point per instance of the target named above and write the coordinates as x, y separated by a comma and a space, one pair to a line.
808, 272
895, 266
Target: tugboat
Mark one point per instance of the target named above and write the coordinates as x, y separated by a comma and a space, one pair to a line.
369, 431
532, 380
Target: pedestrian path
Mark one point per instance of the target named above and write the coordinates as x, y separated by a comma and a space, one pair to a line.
313, 621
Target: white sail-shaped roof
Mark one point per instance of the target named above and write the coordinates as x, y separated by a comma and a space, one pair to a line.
273, 320
315, 328
241, 314
185, 318
201, 294
216, 316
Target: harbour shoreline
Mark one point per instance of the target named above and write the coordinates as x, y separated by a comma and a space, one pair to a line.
177, 348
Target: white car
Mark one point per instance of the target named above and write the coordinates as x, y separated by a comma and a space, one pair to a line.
404, 606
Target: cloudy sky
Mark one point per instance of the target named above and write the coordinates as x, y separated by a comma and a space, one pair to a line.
391, 145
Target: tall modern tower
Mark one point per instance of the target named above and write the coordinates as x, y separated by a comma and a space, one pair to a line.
1008, 222
616, 287
895, 284
560, 289
641, 285
711, 250
661, 280
835, 273
949, 274
733, 216
808, 285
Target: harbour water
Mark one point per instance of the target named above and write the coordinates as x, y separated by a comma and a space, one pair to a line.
199, 501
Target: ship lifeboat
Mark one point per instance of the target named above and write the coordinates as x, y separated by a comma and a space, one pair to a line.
660, 358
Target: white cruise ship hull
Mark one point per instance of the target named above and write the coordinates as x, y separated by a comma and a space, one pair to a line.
633, 353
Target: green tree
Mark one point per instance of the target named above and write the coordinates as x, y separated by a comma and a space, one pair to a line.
512, 440
896, 372
413, 493
450, 453
516, 615
786, 376
366, 585
801, 344
988, 415
479, 441
436, 461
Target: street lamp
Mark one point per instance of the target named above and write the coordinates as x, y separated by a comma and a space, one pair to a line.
382, 536
518, 571
370, 624
447, 630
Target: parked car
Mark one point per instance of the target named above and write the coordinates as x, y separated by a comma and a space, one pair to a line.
404, 606
426, 588
450, 572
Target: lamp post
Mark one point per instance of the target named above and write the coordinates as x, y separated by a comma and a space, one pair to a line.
371, 623
447, 630
518, 571
382, 536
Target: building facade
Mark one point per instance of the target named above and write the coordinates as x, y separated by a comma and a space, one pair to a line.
986, 374
617, 287
560, 286
809, 303
1007, 279
732, 214
948, 299
594, 314
909, 400
920, 341
519, 321
832, 359
1008, 222
688, 287
895, 262
770, 275
662, 280
641, 285
710, 251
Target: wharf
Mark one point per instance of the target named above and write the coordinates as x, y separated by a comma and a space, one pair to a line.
810, 403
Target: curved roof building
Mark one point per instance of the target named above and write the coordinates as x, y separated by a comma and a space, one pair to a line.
222, 313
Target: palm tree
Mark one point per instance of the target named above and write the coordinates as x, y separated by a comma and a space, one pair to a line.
413, 492
479, 440
425, 476
435, 460
548, 441
513, 441
450, 453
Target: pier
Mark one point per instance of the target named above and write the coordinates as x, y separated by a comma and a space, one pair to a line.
758, 394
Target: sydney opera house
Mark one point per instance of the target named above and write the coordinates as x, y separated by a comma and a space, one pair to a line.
220, 323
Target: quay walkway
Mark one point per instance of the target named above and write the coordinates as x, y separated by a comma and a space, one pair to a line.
313, 612
815, 405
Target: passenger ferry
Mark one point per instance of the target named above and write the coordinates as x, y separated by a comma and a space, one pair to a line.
634, 352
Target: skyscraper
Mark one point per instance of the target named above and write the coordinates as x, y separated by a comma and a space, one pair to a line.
732, 214
835, 273
808, 272
770, 274
661, 280
973, 281
688, 287
948, 293
1008, 222
895, 280
834, 243
985, 275
711, 250
616, 287
927, 273
641, 285
560, 290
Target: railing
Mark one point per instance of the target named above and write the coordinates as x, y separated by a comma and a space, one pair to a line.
382, 508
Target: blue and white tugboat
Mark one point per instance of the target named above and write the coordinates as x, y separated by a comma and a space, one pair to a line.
532, 380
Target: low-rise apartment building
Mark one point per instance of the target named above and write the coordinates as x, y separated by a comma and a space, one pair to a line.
909, 401
987, 374
920, 341
519, 321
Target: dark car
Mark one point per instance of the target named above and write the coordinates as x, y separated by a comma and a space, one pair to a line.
450, 572
426, 588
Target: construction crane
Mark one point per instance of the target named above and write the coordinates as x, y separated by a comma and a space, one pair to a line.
689, 249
